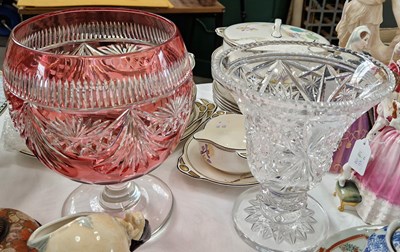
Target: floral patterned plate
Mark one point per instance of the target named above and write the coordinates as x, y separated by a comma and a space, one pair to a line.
350, 240
192, 164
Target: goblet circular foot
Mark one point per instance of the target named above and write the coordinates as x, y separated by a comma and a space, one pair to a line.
303, 234
147, 194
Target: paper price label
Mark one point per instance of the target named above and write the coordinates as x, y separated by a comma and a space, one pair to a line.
360, 155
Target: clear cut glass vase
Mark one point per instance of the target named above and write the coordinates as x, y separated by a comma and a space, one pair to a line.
298, 99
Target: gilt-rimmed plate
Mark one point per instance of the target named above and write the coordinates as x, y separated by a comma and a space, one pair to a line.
201, 112
192, 164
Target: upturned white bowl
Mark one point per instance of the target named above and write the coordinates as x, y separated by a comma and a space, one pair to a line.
222, 143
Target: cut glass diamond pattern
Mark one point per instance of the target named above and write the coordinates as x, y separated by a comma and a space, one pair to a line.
268, 228
290, 80
84, 49
298, 99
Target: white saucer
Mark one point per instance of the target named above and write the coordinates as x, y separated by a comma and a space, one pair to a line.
191, 163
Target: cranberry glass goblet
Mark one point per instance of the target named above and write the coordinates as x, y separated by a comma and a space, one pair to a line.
102, 96
298, 99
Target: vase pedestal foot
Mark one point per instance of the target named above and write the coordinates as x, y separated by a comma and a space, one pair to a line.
304, 234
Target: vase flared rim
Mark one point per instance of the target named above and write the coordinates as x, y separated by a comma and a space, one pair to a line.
239, 86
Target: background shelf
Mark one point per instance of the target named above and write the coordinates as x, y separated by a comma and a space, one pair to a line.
322, 17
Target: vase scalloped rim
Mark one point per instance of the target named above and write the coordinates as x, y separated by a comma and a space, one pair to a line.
86, 9
232, 85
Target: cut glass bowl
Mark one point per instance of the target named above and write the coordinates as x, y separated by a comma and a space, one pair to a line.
101, 96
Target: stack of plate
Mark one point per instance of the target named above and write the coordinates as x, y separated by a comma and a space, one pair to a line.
224, 99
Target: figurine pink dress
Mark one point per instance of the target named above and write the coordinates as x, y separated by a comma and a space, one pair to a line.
382, 175
380, 184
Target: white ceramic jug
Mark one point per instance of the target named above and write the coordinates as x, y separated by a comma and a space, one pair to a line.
88, 232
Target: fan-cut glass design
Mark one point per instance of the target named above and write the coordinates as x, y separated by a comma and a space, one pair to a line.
298, 99
102, 96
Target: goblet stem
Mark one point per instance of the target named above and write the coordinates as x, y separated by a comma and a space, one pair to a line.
284, 216
281, 202
146, 194
120, 196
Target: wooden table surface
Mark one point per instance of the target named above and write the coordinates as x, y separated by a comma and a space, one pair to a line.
180, 7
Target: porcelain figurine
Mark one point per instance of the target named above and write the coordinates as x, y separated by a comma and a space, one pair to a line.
91, 232
380, 185
369, 13
358, 41
345, 175
359, 38
394, 63
376, 193
348, 194
385, 110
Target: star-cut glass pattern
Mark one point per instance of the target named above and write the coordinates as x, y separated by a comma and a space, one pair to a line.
118, 143
110, 144
298, 99
308, 81
86, 49
268, 228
